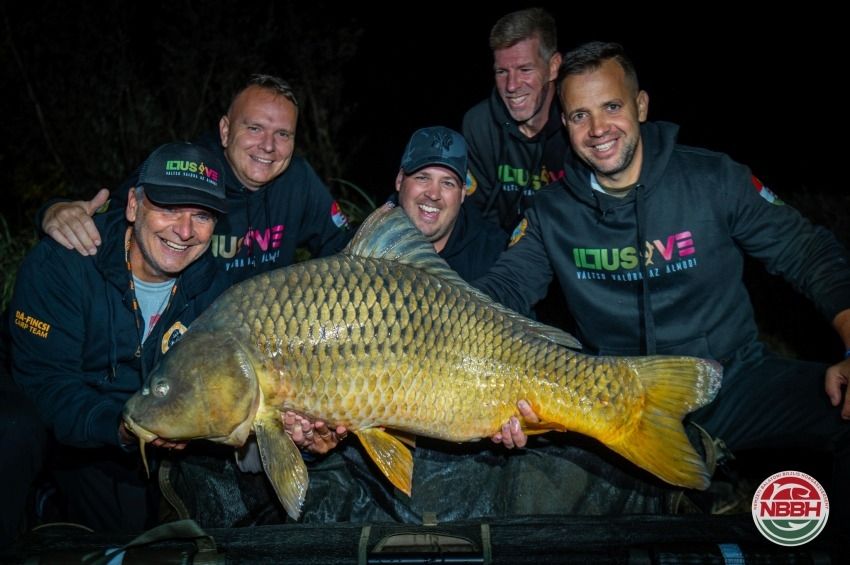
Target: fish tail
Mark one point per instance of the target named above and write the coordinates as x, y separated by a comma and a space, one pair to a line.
674, 386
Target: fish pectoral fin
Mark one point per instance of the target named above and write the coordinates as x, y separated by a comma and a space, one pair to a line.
390, 455
282, 462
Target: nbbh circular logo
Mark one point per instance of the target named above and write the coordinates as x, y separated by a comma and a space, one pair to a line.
790, 508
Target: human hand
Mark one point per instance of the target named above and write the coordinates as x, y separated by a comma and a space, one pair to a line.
71, 225
511, 434
312, 436
835, 384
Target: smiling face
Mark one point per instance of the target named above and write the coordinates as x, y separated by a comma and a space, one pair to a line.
166, 239
258, 135
602, 113
524, 80
431, 198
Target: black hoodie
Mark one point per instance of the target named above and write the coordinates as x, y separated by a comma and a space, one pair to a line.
506, 167
660, 270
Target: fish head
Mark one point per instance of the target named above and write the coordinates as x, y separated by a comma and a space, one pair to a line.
205, 387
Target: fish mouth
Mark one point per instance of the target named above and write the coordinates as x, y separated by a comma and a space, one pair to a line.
137, 430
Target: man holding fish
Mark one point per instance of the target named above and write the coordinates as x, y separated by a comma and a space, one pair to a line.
647, 239
86, 330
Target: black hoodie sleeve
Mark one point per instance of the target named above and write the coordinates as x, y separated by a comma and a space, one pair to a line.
521, 276
808, 256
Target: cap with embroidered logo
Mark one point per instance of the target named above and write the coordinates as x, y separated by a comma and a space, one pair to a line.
435, 146
184, 173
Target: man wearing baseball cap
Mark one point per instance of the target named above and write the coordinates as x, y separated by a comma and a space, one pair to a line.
431, 186
86, 330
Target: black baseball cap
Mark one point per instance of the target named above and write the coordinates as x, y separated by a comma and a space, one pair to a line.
435, 146
184, 173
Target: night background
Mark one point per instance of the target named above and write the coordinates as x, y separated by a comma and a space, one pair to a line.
89, 89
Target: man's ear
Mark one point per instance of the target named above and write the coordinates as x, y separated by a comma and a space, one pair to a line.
224, 129
554, 65
132, 209
642, 105
399, 177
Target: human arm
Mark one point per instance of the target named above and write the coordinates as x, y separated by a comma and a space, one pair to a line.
838, 376
521, 276
70, 222
808, 256
324, 228
48, 330
71, 225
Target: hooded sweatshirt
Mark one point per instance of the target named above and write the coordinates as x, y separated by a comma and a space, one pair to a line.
506, 167
264, 227
76, 347
660, 270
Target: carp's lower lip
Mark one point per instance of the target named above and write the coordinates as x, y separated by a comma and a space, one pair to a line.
139, 431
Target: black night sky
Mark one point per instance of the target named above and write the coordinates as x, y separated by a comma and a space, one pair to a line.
763, 88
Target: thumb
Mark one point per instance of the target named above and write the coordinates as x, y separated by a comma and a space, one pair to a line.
99, 200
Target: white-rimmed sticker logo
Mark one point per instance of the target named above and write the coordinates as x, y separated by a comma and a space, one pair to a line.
790, 508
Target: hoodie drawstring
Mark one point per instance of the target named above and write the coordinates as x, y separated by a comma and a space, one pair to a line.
649, 343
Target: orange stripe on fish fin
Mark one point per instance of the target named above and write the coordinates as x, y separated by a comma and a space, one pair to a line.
531, 429
673, 387
282, 461
390, 455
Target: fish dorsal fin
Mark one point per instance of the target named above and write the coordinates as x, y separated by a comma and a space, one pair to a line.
388, 234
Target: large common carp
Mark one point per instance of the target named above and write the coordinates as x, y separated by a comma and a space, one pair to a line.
385, 337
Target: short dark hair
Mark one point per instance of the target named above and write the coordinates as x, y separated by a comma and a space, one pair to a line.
590, 56
525, 24
269, 82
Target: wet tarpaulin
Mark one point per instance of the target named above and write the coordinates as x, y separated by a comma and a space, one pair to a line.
560, 474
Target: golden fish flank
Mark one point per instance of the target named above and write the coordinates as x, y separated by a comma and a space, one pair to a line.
385, 334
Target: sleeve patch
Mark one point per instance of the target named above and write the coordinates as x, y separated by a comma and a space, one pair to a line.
471, 183
765, 192
338, 216
33, 325
519, 232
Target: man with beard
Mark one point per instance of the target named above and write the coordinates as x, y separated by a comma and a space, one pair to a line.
647, 239
516, 142
87, 329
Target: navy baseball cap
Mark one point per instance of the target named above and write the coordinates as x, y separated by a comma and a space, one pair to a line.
183, 173
435, 146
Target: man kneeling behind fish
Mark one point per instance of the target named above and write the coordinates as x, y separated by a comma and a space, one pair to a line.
384, 337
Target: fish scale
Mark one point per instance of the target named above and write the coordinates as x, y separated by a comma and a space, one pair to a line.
385, 338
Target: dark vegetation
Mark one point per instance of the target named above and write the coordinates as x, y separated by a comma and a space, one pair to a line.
89, 89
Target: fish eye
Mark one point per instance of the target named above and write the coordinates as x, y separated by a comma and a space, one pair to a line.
160, 389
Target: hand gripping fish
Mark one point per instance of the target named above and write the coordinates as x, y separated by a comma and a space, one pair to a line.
383, 338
